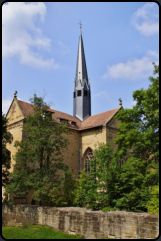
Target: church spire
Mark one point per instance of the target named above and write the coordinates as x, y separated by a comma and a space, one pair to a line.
81, 70
82, 97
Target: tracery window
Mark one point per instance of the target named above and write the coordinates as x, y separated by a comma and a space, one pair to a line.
87, 157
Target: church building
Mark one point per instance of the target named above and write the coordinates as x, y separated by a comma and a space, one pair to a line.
85, 131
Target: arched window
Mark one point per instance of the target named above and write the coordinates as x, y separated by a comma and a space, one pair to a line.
88, 155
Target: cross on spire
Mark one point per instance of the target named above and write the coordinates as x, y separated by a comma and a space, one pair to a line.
80, 24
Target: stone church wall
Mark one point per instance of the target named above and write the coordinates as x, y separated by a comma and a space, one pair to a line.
91, 138
80, 221
15, 130
70, 155
111, 131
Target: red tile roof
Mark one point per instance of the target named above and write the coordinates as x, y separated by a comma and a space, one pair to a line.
90, 122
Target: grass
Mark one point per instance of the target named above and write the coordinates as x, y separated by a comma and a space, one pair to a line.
35, 232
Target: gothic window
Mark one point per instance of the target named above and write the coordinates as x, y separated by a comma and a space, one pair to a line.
79, 92
85, 92
87, 157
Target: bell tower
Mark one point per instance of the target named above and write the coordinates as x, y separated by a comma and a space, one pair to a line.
81, 92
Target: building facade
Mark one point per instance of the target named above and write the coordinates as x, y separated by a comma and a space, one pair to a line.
86, 132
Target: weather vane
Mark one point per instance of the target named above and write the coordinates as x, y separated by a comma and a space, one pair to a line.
80, 24
120, 101
15, 94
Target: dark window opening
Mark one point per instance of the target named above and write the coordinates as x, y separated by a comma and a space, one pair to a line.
63, 120
79, 92
85, 92
33, 202
74, 94
73, 123
11, 138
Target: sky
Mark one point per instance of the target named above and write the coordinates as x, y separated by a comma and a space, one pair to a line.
40, 44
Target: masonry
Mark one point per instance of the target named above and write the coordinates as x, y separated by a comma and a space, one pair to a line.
80, 221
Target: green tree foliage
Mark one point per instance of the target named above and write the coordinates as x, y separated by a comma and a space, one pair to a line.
6, 159
153, 204
93, 187
111, 186
39, 157
81, 190
64, 194
139, 130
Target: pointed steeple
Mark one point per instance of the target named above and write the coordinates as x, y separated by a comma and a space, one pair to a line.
82, 97
81, 69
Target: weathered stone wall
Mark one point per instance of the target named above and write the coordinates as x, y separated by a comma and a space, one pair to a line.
80, 221
91, 138
70, 155
111, 131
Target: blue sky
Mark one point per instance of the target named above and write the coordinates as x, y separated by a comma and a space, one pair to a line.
40, 43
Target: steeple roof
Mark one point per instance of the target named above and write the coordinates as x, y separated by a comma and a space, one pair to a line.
81, 69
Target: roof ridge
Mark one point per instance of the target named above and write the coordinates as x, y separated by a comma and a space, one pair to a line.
104, 112
49, 108
91, 122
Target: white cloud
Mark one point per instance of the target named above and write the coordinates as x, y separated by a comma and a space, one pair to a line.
5, 105
145, 20
20, 35
133, 69
102, 95
64, 49
154, 54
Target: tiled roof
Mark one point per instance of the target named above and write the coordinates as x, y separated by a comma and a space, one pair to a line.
90, 122
99, 119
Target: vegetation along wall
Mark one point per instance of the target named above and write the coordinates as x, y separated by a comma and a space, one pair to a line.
80, 221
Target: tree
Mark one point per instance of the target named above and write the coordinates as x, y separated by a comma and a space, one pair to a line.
64, 195
6, 159
39, 160
138, 139
93, 188
80, 198
153, 204
127, 187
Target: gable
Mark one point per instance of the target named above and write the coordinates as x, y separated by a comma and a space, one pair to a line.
111, 121
14, 113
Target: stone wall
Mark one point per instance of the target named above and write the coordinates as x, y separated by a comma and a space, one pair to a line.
91, 138
80, 221
70, 154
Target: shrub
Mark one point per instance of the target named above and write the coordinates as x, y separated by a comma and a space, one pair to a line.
153, 204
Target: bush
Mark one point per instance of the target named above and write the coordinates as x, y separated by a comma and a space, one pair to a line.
153, 204
80, 191
64, 195
105, 209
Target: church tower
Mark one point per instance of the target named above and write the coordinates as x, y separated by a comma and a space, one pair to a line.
81, 92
